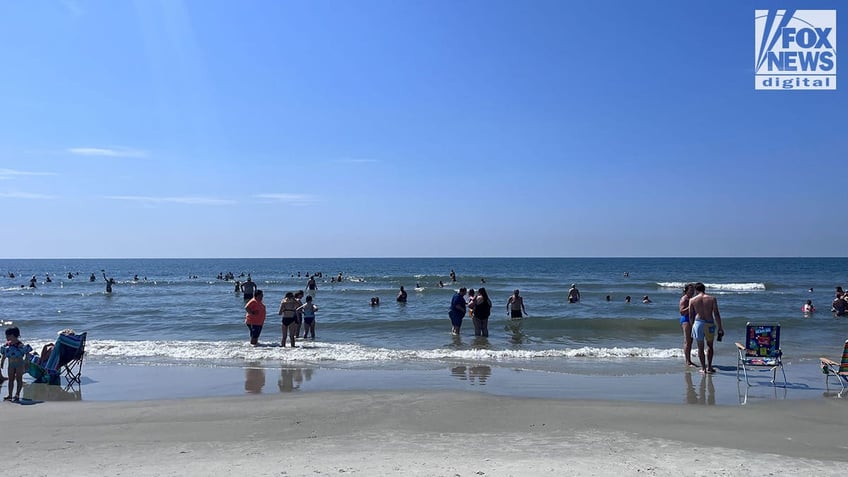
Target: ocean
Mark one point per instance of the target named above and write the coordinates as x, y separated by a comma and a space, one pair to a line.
168, 317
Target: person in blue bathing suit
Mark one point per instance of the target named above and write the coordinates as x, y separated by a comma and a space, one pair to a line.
308, 309
16, 353
686, 323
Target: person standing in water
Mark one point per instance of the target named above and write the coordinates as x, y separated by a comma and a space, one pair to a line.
573, 294
109, 283
482, 310
457, 310
288, 310
515, 306
308, 309
704, 309
248, 288
686, 323
311, 286
254, 316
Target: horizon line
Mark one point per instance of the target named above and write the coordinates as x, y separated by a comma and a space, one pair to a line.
432, 257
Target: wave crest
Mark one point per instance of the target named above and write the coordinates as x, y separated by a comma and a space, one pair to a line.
164, 351
740, 287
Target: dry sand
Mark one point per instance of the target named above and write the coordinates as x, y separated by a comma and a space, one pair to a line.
421, 433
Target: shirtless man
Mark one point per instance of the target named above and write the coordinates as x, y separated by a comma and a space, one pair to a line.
704, 309
515, 306
248, 288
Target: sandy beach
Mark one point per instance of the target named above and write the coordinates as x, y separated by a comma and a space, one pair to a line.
422, 433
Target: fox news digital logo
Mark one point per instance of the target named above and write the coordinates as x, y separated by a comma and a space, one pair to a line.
795, 49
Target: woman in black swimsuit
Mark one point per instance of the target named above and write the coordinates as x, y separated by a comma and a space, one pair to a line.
288, 310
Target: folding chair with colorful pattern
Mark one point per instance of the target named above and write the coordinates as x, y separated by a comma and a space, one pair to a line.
761, 350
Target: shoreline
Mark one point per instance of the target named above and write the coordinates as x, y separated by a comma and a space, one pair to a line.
107, 382
425, 433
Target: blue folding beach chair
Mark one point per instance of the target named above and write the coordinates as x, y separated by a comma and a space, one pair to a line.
761, 350
65, 359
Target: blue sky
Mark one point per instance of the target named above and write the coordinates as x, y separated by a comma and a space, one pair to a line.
268, 128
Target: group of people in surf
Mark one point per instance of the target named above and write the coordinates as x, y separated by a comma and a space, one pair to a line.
295, 315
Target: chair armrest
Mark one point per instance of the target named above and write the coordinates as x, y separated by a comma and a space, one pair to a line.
829, 362
740, 347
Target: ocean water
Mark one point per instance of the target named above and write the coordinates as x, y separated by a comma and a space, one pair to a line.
168, 318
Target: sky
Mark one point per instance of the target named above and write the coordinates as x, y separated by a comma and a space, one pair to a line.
410, 128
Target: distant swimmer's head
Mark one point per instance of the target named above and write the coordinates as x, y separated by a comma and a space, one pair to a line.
700, 288
258, 294
515, 292
289, 295
573, 286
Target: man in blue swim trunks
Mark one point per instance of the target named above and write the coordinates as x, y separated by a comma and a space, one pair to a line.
704, 308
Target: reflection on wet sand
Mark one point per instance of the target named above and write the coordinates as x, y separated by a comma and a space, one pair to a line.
514, 328
475, 375
47, 392
759, 392
254, 379
292, 378
705, 395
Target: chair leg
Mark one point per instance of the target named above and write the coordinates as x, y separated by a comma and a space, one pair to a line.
745, 372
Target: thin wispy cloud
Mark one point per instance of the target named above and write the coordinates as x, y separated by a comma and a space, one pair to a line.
25, 195
293, 199
8, 173
187, 200
73, 7
355, 160
107, 151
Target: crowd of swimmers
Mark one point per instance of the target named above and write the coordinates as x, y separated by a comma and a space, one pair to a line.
33, 281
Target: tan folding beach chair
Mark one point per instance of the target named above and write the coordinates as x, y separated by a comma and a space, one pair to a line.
837, 370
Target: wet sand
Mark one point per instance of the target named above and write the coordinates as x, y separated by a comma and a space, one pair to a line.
422, 433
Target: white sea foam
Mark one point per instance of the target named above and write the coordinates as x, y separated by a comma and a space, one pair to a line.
309, 351
738, 287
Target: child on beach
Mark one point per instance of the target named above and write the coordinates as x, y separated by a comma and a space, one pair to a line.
308, 309
298, 322
16, 352
808, 307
